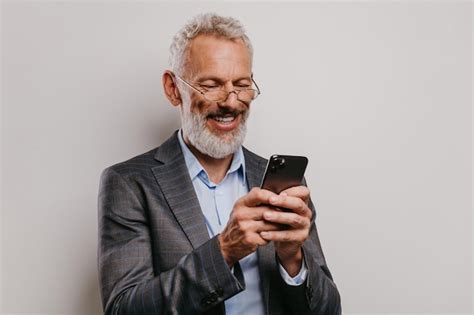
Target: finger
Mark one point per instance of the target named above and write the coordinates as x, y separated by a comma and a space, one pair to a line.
250, 213
256, 197
262, 225
292, 203
258, 240
284, 236
299, 192
292, 219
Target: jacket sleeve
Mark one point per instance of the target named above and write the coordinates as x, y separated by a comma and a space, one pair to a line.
318, 294
200, 281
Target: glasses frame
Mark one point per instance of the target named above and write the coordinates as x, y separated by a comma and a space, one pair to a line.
233, 91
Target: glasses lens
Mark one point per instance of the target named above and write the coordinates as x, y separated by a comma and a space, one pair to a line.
216, 96
247, 95
221, 95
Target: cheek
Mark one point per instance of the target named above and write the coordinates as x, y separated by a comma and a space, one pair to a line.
199, 106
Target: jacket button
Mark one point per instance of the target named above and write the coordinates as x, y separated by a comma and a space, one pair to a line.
205, 302
213, 296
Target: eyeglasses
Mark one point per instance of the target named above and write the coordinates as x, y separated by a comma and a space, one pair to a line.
219, 94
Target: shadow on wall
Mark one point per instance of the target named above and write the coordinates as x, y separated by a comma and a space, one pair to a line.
90, 302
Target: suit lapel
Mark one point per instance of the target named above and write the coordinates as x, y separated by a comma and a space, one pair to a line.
173, 178
255, 168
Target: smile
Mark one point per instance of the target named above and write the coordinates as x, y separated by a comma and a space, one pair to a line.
224, 119
224, 123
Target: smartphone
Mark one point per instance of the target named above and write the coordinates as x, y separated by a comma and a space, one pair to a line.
284, 171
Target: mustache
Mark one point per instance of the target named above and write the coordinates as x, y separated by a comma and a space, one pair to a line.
226, 112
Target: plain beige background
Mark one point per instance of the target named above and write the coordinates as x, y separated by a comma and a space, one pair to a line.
377, 95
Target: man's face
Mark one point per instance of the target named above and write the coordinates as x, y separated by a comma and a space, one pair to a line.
216, 129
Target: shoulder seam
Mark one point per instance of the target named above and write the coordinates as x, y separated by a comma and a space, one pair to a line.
128, 186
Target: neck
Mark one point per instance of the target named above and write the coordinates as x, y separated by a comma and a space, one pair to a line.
215, 168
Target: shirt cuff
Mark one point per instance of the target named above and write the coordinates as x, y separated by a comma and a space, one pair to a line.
299, 279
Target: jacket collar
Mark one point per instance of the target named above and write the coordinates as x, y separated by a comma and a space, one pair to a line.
174, 180
168, 150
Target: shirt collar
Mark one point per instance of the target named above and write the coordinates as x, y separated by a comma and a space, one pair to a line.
195, 168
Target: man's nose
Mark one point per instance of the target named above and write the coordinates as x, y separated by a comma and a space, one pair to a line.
232, 99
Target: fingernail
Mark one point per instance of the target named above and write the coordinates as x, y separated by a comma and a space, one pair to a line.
284, 194
268, 215
264, 234
273, 199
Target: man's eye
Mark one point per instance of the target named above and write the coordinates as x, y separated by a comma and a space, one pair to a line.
208, 86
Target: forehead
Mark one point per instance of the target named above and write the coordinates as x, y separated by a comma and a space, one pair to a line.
211, 55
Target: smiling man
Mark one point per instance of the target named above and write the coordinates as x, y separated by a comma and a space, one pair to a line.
184, 228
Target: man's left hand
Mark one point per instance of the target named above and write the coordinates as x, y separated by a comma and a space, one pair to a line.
297, 220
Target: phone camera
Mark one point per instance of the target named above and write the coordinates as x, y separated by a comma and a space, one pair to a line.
281, 162
278, 163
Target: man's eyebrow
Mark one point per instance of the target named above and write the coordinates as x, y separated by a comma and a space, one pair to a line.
219, 80
243, 79
208, 78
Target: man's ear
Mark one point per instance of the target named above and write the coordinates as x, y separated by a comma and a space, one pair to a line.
170, 88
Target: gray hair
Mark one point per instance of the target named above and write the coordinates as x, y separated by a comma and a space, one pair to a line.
206, 24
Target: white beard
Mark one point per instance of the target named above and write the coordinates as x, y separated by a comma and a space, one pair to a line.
196, 131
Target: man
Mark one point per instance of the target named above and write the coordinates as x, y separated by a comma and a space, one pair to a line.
184, 228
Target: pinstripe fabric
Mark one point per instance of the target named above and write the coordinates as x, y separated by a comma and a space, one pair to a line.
155, 255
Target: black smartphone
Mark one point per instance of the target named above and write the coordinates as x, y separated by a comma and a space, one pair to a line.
284, 171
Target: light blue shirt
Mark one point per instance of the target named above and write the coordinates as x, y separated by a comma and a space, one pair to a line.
217, 202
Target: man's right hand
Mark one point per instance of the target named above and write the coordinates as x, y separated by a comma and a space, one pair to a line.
241, 235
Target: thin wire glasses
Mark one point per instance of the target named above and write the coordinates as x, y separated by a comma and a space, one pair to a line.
219, 94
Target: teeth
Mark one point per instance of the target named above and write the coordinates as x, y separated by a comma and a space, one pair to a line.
224, 119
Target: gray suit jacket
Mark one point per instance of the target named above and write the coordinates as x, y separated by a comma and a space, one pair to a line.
155, 255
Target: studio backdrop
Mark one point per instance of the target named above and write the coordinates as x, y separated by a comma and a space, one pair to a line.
376, 95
